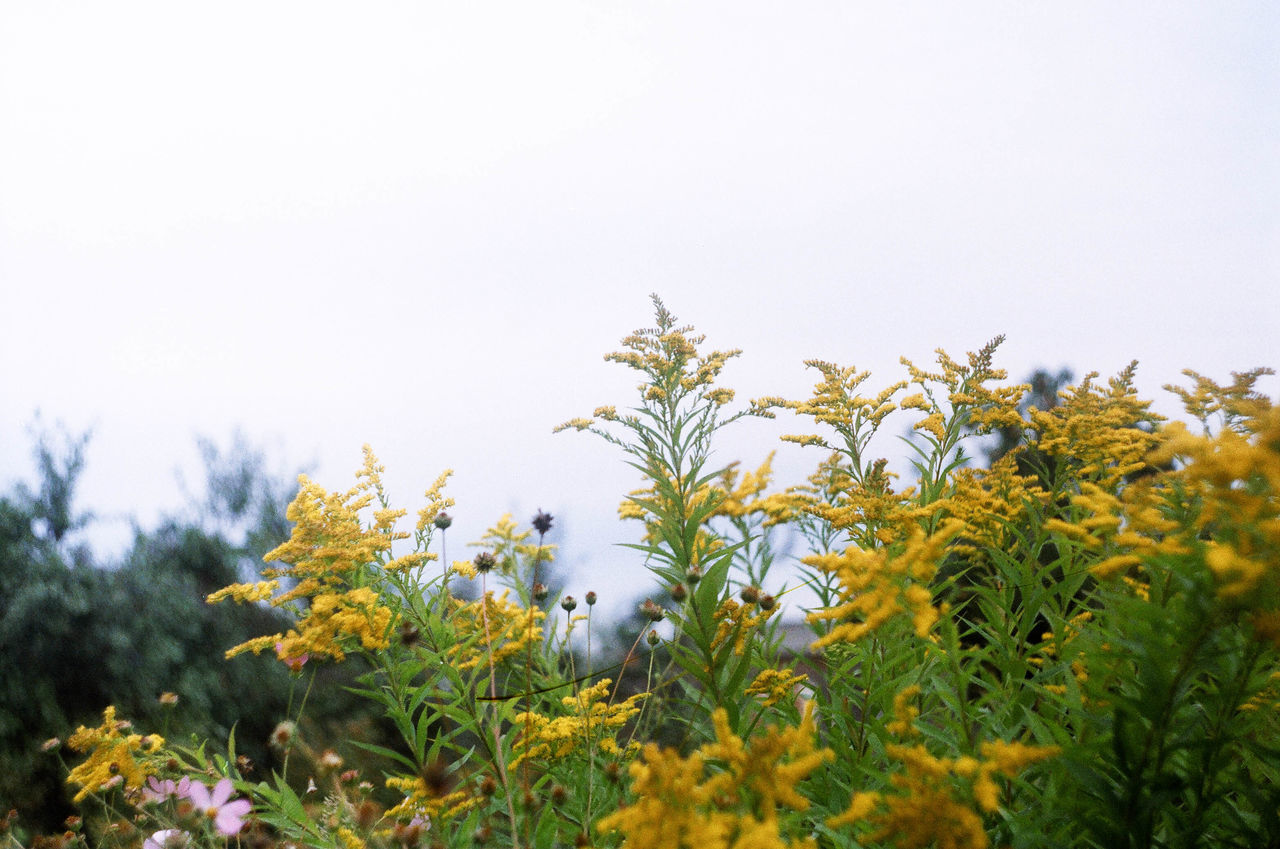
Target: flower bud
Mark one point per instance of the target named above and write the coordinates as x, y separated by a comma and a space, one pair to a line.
679, 593
652, 610
652, 639
568, 603
749, 594
540, 592
442, 520
485, 561
767, 602
693, 575
591, 598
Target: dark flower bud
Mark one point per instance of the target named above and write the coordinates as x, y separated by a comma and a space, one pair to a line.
591, 598
652, 610
540, 592
367, 814
409, 634
488, 786
443, 520
679, 593
559, 794
767, 602
485, 561
693, 575
749, 594
568, 603
653, 639
542, 522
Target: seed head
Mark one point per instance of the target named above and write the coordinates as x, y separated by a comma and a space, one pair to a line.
542, 522
767, 602
750, 594
485, 561
283, 734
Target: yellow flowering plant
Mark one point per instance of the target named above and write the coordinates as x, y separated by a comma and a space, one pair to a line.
1076, 644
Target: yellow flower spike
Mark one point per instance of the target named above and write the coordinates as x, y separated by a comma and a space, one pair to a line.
904, 713
113, 755
775, 685
436, 502
678, 803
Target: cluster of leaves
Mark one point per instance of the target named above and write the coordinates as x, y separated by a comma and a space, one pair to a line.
1078, 645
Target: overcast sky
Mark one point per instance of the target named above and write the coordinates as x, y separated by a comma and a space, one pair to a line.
420, 225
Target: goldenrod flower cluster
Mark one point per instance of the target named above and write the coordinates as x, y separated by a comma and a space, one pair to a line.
877, 585
727, 793
837, 402
775, 685
1218, 500
422, 801
1104, 434
337, 565
990, 502
737, 622
940, 801
745, 497
592, 721
511, 629
1234, 480
113, 756
975, 404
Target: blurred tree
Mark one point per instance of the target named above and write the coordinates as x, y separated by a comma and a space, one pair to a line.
75, 638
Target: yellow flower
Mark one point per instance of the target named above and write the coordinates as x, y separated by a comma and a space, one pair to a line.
112, 755
684, 802
939, 801
510, 629
775, 685
875, 586
591, 721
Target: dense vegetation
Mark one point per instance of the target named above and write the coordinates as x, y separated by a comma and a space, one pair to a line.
1075, 645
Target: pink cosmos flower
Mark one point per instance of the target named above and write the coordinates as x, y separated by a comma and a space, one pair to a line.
169, 838
157, 790
295, 664
228, 817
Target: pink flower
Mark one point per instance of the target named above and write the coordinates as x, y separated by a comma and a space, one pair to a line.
157, 790
295, 664
169, 838
228, 817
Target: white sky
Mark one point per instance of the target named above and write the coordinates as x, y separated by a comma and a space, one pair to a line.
420, 225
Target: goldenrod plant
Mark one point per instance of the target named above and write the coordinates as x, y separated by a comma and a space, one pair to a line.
1076, 645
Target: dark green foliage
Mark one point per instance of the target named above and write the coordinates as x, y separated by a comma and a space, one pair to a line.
75, 638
